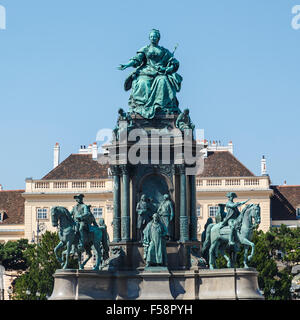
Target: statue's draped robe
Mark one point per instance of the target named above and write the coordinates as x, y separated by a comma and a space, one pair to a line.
184, 122
166, 213
154, 236
143, 214
152, 89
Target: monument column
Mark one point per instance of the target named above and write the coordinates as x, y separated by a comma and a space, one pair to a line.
193, 222
117, 205
125, 214
184, 231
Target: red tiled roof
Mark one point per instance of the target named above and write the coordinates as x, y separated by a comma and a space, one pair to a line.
12, 203
224, 164
284, 202
78, 166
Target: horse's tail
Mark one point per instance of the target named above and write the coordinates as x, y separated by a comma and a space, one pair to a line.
207, 241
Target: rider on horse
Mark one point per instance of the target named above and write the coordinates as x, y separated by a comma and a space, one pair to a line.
83, 217
232, 214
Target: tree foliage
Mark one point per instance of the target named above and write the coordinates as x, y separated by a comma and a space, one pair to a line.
12, 254
42, 265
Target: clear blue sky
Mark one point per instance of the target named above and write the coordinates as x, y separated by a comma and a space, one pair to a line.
240, 62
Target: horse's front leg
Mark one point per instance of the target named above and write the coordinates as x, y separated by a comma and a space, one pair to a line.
248, 244
67, 253
212, 256
99, 256
245, 256
61, 244
79, 253
222, 252
89, 253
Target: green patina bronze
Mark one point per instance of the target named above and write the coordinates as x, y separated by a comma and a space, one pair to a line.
83, 218
166, 212
144, 215
154, 242
232, 230
155, 80
183, 121
79, 233
124, 124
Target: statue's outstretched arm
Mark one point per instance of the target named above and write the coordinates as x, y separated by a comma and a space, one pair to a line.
131, 63
134, 62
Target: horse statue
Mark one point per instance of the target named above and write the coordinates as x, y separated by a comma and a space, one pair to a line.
217, 238
69, 238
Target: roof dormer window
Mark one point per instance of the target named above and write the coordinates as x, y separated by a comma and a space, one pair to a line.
298, 212
2, 213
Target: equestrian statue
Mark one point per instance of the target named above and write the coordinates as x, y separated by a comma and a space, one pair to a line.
79, 233
232, 230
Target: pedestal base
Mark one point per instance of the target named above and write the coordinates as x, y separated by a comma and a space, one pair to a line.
156, 284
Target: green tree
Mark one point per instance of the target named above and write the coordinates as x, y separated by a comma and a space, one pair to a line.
42, 265
274, 283
12, 254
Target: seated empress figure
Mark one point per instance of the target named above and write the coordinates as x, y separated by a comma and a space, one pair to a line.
154, 82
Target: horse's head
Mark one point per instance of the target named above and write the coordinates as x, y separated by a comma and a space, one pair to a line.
256, 214
54, 216
249, 213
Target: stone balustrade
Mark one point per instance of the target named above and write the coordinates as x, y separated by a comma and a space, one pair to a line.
65, 186
243, 183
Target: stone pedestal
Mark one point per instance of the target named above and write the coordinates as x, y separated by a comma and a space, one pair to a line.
228, 284
247, 284
83, 285
157, 284
184, 285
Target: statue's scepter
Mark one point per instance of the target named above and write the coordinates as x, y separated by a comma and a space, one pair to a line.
176, 46
172, 55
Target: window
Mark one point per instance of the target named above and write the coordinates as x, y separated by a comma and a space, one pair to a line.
42, 213
97, 212
198, 212
213, 211
198, 228
298, 213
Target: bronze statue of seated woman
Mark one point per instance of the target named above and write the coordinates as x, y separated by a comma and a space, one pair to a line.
154, 82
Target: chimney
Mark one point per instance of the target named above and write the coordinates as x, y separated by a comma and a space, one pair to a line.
213, 146
56, 155
1, 187
230, 147
95, 151
204, 146
263, 166
284, 183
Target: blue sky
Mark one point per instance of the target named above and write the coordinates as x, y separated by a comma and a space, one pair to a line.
58, 79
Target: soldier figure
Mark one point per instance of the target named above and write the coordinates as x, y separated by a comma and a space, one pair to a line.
84, 219
166, 213
232, 214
